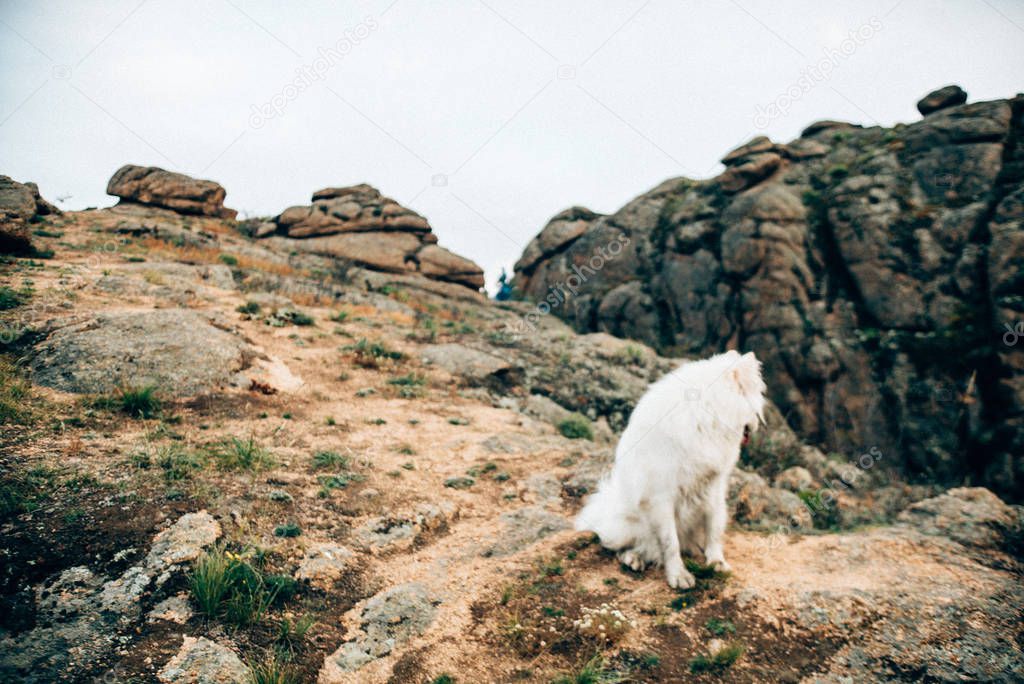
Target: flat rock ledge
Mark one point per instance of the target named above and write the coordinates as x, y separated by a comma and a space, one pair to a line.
389, 619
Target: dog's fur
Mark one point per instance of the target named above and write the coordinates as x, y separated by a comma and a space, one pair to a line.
666, 491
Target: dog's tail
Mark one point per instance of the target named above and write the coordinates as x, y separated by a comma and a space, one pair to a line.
605, 513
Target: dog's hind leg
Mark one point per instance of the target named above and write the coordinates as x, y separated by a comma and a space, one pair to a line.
663, 519
716, 515
644, 551
633, 559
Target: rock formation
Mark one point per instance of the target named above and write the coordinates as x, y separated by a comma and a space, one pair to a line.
176, 350
20, 204
874, 271
940, 99
360, 225
156, 187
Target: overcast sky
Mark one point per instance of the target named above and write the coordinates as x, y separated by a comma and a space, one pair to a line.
487, 117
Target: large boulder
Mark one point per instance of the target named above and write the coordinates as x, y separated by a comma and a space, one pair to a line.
360, 225
948, 96
178, 351
872, 270
359, 208
154, 186
20, 203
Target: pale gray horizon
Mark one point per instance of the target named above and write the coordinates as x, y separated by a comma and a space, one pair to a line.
487, 117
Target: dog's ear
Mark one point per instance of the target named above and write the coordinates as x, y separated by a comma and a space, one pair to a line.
746, 374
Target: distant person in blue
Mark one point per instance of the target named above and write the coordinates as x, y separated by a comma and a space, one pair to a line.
504, 288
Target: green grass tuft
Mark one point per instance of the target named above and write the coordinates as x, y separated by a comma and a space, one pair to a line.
250, 308
718, 662
178, 463
137, 402
292, 635
594, 671
323, 460
372, 354
14, 391
227, 586
23, 492
824, 513
720, 627
287, 530
11, 298
210, 582
576, 427
273, 670
237, 454
408, 380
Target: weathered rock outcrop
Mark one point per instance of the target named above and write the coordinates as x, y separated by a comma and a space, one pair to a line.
178, 351
360, 225
156, 187
82, 617
874, 271
20, 203
201, 661
388, 620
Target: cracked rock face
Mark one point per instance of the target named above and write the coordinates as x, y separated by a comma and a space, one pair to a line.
156, 187
872, 270
360, 225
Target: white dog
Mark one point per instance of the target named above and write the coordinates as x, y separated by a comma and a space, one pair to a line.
666, 491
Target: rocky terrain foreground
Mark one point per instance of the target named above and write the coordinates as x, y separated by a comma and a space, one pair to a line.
271, 451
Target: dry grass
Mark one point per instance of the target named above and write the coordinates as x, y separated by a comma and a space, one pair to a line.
190, 254
308, 299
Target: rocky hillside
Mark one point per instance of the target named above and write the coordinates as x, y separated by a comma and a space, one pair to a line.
225, 457
879, 273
